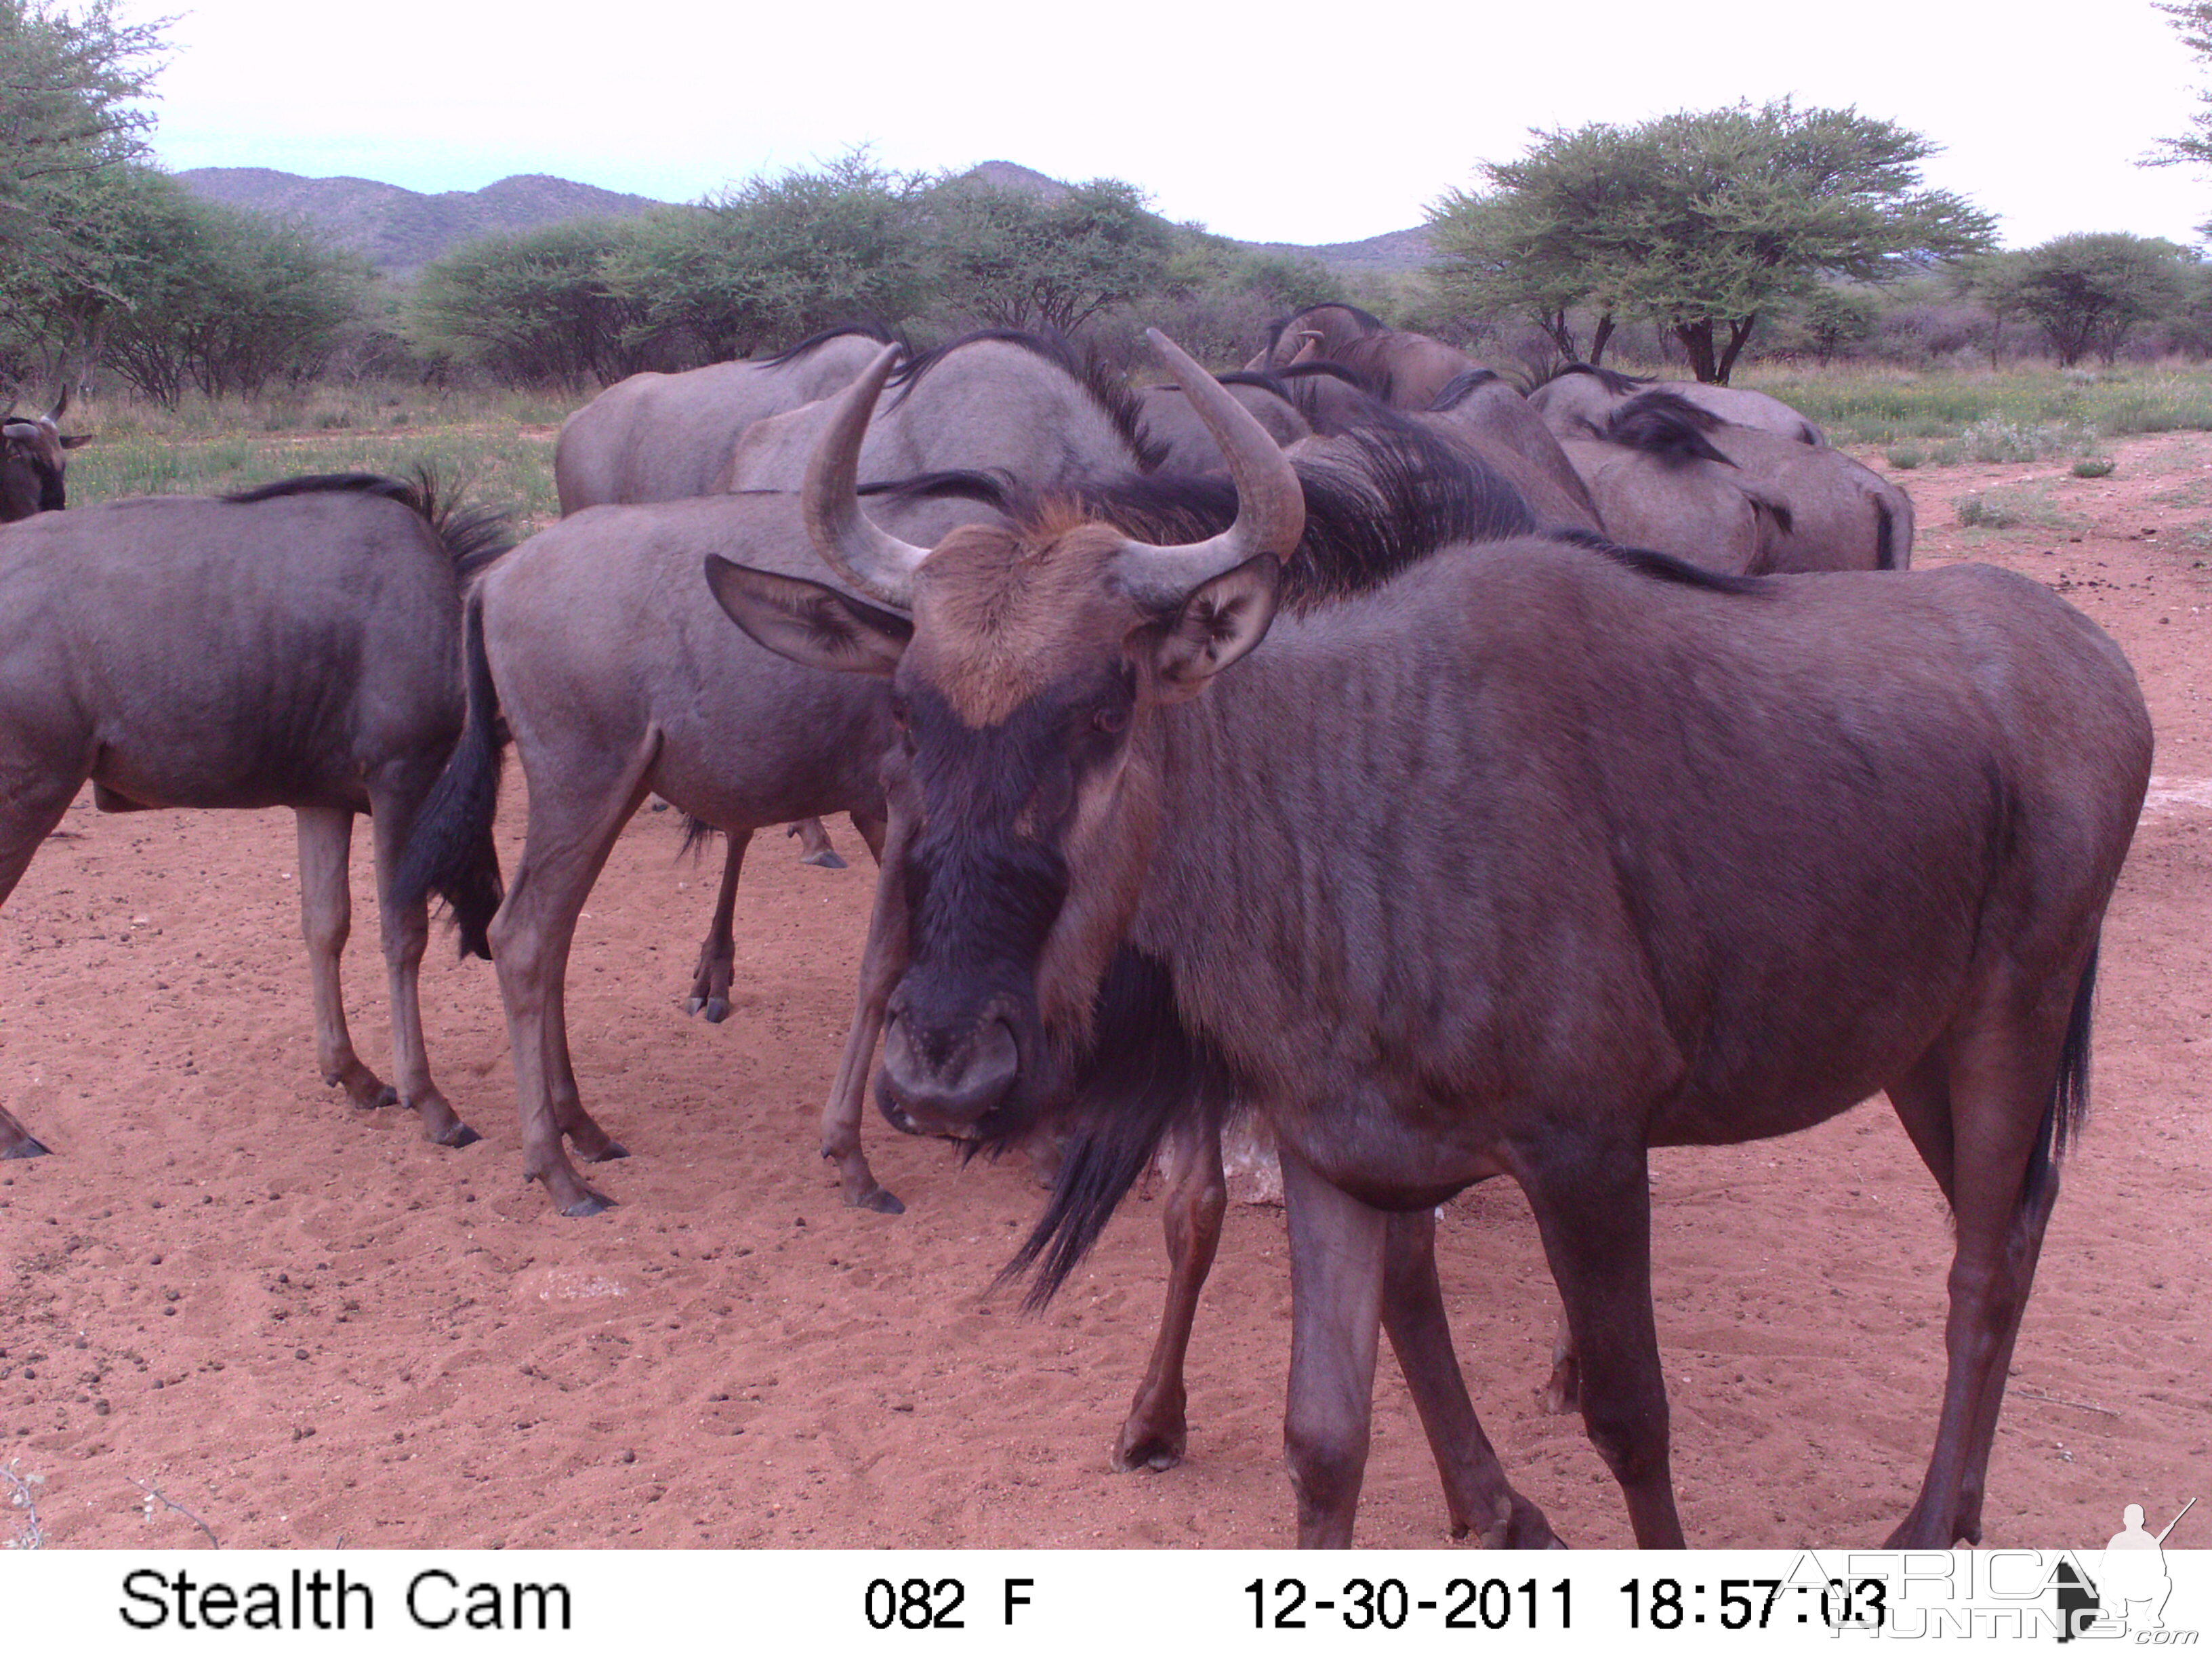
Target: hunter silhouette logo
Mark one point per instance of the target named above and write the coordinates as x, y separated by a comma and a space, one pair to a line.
2129, 1592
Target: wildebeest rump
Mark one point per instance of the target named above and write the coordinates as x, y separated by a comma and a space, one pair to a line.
666, 437
1579, 392
296, 646
1692, 859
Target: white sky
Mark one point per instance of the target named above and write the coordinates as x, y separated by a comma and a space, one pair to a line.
1298, 123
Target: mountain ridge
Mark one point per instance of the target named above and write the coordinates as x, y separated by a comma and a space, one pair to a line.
400, 230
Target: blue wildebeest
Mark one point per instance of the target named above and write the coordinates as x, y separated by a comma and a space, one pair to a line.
667, 437
1577, 392
34, 461
298, 645
657, 437
1522, 863
1669, 474
1404, 369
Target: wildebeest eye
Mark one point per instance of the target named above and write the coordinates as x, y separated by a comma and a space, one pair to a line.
1113, 719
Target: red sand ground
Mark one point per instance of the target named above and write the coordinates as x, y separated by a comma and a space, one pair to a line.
312, 1329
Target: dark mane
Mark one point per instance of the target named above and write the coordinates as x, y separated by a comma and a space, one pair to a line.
1460, 386
1146, 1071
875, 332
1393, 494
474, 536
1613, 381
993, 489
1662, 567
1107, 387
1668, 425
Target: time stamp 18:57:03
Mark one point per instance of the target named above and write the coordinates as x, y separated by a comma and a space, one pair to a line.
1661, 1604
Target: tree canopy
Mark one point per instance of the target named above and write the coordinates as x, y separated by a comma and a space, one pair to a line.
1701, 222
2088, 292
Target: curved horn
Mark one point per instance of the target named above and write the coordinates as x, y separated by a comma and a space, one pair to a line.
878, 564
61, 405
1271, 505
1309, 346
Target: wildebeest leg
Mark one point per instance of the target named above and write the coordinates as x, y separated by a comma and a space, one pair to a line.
1155, 1432
872, 830
1592, 1204
882, 961
33, 798
326, 919
576, 811
816, 841
1562, 1389
592, 1143
406, 934
1476, 1492
1996, 1086
1337, 1248
34, 795
718, 956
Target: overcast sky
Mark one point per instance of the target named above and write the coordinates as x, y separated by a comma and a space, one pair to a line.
1291, 122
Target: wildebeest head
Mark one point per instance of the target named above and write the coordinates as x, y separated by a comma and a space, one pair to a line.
33, 461
1027, 664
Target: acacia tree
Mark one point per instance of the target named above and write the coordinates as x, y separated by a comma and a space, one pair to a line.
535, 308
775, 260
2088, 292
1016, 260
1699, 221
70, 122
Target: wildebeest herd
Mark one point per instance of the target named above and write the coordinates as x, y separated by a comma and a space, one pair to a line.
1600, 779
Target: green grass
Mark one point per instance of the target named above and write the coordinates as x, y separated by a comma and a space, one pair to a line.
2018, 414
499, 448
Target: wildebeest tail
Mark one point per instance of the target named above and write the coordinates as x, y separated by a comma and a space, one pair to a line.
450, 850
2067, 1110
1145, 1071
1885, 536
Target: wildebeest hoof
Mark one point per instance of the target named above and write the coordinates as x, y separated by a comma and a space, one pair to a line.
825, 860
606, 1154
716, 1011
1520, 1525
881, 1200
590, 1203
1562, 1392
458, 1136
28, 1147
1143, 1447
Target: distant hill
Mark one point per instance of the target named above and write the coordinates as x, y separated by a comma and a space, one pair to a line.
400, 231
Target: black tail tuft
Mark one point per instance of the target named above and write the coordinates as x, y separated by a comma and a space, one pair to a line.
1146, 1070
450, 850
1885, 537
2067, 1114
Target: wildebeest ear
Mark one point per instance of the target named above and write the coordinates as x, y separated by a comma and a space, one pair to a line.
808, 622
76, 441
1219, 622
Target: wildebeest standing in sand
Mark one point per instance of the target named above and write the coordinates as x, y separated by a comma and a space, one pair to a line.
296, 646
597, 645
1692, 859
34, 461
